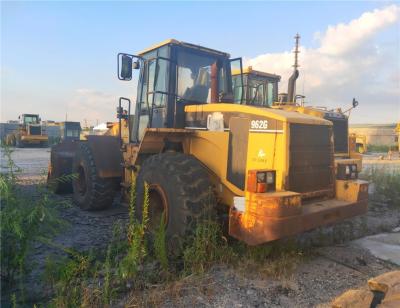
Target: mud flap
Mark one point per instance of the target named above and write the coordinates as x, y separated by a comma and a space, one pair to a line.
107, 155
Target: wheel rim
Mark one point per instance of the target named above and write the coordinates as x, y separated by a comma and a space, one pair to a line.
158, 207
81, 181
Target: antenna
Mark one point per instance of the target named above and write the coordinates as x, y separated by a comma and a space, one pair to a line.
296, 52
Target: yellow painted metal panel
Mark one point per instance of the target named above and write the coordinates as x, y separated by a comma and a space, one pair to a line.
281, 115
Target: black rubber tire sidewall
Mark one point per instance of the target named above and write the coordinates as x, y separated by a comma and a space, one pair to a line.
82, 161
100, 192
188, 191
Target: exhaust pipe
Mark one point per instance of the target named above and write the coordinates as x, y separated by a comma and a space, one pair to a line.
292, 86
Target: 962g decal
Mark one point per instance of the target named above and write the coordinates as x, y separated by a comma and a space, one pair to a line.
259, 124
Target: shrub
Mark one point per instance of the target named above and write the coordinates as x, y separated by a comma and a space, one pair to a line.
160, 247
136, 236
24, 221
380, 148
69, 277
208, 246
386, 185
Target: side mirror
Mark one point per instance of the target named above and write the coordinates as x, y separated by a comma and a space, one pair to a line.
355, 103
125, 63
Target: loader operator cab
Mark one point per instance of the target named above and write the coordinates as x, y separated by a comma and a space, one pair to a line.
172, 75
70, 131
26, 119
259, 88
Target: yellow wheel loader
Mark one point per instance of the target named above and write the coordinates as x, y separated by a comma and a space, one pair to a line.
270, 170
29, 134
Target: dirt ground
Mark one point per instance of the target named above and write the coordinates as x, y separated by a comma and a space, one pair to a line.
335, 265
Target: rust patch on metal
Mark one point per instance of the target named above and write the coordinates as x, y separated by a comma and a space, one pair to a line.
268, 217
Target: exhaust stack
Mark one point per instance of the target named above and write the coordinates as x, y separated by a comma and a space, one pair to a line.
295, 75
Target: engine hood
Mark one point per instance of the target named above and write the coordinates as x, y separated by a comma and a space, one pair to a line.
287, 116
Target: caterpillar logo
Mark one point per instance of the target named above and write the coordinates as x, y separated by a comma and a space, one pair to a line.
261, 153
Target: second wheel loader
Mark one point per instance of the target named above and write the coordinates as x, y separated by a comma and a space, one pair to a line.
30, 133
260, 89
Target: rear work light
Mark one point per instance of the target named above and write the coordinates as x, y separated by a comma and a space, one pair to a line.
261, 181
347, 172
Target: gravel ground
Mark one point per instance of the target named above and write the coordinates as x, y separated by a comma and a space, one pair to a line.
335, 265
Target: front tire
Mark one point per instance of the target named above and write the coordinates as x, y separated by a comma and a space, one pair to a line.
91, 192
179, 189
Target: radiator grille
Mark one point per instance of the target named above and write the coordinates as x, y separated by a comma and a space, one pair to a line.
35, 130
311, 158
340, 134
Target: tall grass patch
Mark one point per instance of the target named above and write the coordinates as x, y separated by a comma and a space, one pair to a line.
386, 185
25, 220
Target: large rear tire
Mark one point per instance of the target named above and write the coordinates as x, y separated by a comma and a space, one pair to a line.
57, 179
179, 189
91, 192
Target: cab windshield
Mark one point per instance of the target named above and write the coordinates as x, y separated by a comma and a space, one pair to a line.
258, 91
28, 119
198, 74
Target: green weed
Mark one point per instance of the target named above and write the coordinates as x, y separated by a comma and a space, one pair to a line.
160, 247
386, 185
208, 246
380, 148
129, 265
69, 276
24, 221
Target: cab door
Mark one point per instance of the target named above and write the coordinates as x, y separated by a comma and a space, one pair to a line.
157, 96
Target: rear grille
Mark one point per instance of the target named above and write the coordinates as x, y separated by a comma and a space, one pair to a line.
35, 130
340, 134
311, 158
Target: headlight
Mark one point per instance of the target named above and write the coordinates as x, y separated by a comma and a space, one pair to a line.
346, 172
261, 181
270, 177
261, 177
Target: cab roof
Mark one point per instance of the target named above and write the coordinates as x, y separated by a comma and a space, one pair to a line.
184, 44
29, 115
250, 70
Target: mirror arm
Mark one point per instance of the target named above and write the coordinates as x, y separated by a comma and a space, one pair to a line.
355, 104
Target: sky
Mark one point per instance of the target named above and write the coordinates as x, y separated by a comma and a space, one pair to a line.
58, 59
